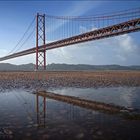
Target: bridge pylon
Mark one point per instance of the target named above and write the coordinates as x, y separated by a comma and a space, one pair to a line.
40, 41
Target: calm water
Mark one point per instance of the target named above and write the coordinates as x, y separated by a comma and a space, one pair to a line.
123, 96
22, 117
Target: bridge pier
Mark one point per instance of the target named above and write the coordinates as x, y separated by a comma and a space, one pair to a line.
40, 40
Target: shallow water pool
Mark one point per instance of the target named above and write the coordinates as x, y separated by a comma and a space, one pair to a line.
22, 116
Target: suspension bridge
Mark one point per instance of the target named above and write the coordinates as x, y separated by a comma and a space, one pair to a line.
61, 31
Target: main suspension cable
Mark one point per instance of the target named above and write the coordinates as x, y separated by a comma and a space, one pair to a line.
21, 39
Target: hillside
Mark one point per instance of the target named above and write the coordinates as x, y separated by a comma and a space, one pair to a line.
65, 67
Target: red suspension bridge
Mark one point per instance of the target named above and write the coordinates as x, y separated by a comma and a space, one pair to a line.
62, 31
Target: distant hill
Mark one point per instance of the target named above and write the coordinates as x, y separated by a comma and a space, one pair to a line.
65, 67
90, 67
11, 67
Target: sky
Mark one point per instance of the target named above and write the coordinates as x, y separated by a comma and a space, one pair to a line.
16, 16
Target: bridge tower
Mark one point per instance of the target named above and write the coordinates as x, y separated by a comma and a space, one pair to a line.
40, 41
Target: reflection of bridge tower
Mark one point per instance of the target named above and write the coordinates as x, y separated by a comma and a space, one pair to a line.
71, 115
63, 111
41, 110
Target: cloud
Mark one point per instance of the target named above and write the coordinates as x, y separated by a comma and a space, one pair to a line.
62, 53
123, 50
127, 95
3, 52
127, 44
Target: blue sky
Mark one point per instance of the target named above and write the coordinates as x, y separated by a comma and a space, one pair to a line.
16, 15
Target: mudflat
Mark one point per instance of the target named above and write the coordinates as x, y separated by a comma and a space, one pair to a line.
85, 79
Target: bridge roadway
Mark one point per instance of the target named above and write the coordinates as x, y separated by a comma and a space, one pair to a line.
110, 31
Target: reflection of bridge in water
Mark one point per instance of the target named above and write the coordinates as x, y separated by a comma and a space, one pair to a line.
49, 107
72, 107
71, 112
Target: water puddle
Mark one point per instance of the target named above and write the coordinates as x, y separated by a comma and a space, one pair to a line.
123, 96
24, 116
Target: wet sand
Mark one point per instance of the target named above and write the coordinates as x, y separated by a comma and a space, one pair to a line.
44, 80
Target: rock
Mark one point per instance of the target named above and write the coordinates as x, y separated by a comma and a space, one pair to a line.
28, 134
124, 111
35, 125
29, 126
80, 135
31, 122
130, 108
99, 133
7, 131
45, 136
61, 132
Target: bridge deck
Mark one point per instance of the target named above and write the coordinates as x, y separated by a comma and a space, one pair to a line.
110, 31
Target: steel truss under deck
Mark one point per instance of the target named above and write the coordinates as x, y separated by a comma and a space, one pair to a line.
110, 31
